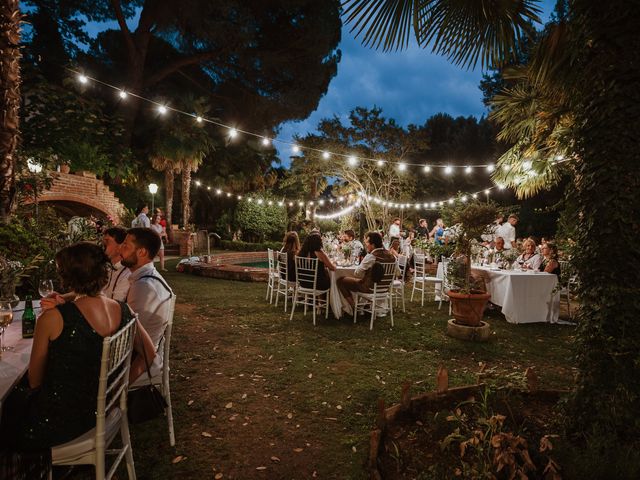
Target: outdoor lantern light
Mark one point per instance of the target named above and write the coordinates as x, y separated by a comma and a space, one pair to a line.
153, 189
33, 166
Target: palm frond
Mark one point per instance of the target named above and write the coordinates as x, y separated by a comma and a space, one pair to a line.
465, 31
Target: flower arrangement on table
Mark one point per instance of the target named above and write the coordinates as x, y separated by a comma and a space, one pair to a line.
10, 273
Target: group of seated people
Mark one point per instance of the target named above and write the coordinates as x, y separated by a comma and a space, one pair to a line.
106, 287
543, 258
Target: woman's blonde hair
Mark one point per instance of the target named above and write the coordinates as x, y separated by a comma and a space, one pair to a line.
529, 241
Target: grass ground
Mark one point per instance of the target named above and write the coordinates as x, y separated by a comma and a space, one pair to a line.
257, 396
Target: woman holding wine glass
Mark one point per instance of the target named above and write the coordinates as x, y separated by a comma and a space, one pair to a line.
55, 402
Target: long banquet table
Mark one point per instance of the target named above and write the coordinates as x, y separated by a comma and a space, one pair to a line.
525, 297
14, 363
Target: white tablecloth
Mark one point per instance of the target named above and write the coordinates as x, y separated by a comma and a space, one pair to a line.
525, 297
338, 302
14, 363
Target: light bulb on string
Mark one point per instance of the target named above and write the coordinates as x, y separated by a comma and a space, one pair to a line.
475, 195
380, 163
218, 191
467, 170
198, 183
433, 204
265, 141
491, 167
269, 202
249, 199
208, 187
228, 194
295, 149
260, 201
500, 187
300, 204
353, 161
506, 168
331, 200
122, 94
426, 169
239, 197
162, 109
83, 79
464, 198
198, 119
448, 169
486, 191
402, 166
291, 204
341, 199
280, 204
325, 155
233, 133
451, 201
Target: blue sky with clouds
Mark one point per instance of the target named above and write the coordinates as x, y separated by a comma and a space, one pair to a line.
409, 86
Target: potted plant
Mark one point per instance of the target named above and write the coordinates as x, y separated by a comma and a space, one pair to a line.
468, 299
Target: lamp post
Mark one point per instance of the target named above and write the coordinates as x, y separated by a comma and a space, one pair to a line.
35, 168
153, 189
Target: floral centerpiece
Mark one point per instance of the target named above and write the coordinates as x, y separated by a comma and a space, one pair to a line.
10, 273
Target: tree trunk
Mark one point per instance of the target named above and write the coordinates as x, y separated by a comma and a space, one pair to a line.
607, 191
10, 17
186, 193
168, 187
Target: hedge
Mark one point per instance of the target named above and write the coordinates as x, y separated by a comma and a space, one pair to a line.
249, 247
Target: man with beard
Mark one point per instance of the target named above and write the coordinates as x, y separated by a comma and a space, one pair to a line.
149, 295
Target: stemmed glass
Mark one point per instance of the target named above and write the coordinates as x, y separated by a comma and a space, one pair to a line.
45, 288
6, 317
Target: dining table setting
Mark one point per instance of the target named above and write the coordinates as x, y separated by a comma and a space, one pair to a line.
15, 352
523, 295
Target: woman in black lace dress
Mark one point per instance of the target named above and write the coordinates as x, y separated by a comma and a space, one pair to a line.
56, 401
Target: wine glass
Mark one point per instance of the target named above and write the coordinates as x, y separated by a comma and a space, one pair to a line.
45, 288
6, 317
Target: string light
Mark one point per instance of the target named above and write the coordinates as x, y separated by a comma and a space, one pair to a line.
353, 161
233, 132
467, 170
266, 141
198, 183
402, 166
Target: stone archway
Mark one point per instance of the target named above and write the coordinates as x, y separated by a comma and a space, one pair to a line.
82, 194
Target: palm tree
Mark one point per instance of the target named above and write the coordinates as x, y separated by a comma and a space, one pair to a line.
10, 18
170, 166
602, 86
189, 165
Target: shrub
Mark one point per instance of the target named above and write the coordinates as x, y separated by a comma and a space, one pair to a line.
248, 246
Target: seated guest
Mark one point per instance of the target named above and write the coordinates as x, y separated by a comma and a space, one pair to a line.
118, 285
394, 246
149, 295
363, 280
550, 262
529, 259
56, 401
353, 243
312, 248
291, 246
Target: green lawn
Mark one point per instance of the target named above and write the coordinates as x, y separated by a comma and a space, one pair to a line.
257, 396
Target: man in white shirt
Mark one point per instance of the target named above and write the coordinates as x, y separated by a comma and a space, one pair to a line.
149, 295
394, 228
508, 232
141, 220
363, 280
118, 285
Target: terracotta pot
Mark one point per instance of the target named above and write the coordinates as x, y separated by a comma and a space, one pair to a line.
468, 308
65, 168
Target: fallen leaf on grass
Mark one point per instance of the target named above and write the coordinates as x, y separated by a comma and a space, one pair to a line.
310, 375
289, 415
190, 402
298, 450
229, 405
218, 476
244, 395
206, 434
261, 468
354, 449
275, 459
339, 407
178, 459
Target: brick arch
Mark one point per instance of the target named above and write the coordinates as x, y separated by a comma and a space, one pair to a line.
84, 189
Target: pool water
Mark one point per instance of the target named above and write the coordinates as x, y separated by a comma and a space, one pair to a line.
264, 264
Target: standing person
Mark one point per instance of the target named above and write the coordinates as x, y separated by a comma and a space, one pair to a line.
363, 280
157, 227
437, 233
394, 228
423, 229
56, 401
508, 232
149, 295
141, 220
312, 248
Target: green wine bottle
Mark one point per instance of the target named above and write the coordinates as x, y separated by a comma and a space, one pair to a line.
28, 318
